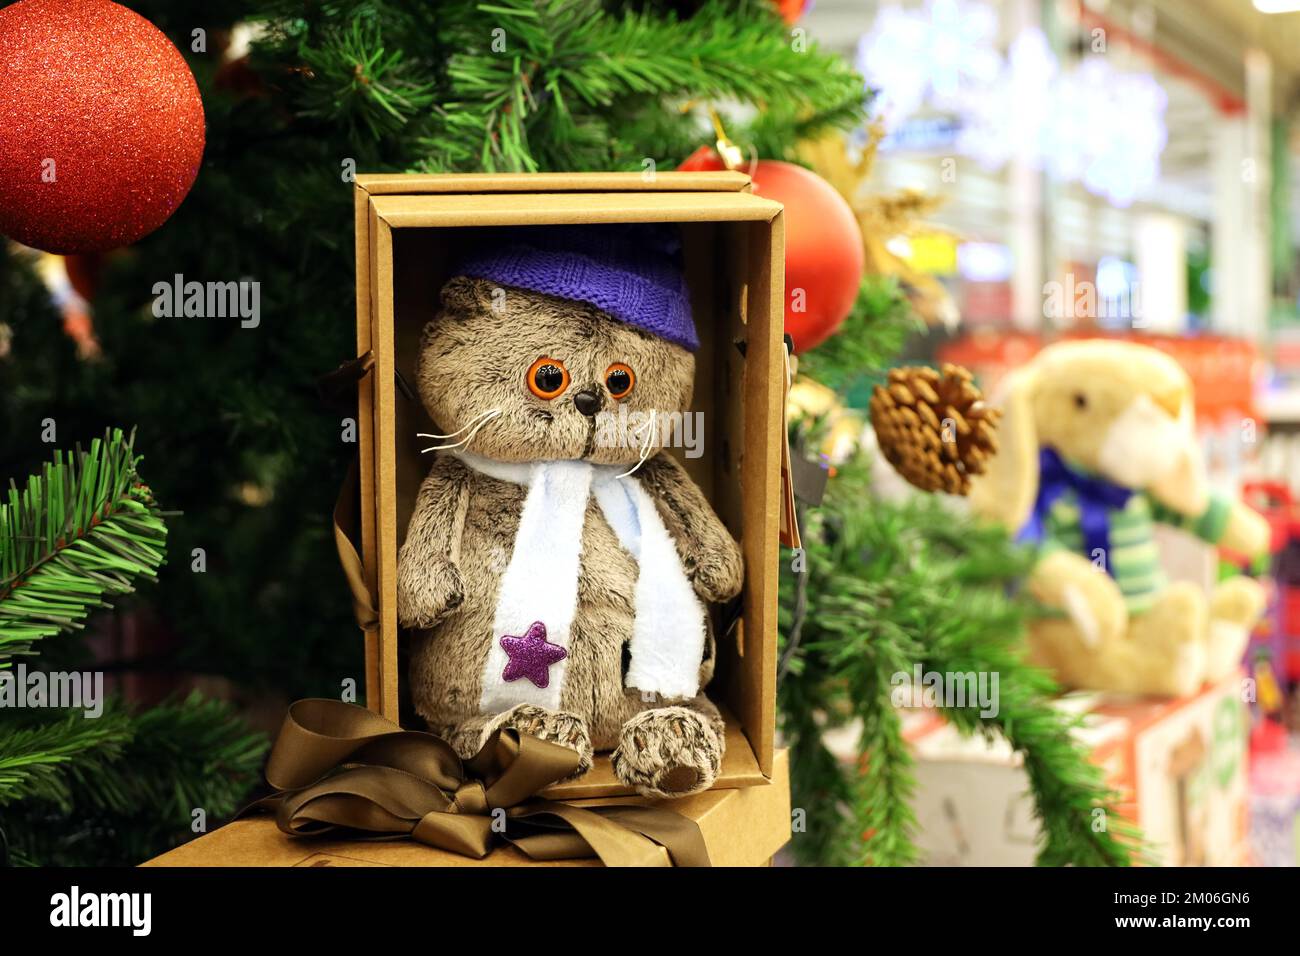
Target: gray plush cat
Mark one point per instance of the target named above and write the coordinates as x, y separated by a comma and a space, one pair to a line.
557, 562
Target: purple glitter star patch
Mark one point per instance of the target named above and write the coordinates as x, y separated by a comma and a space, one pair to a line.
531, 656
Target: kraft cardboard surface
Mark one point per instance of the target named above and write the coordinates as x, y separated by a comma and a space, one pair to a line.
544, 209
740, 827
408, 229
379, 184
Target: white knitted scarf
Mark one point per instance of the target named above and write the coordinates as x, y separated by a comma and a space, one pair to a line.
540, 584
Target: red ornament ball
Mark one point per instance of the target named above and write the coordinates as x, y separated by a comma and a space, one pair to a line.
824, 256
791, 10
101, 125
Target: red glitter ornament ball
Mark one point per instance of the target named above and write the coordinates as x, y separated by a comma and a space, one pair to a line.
101, 125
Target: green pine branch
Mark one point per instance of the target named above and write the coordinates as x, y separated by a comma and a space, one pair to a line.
1071, 801
125, 786
823, 798
527, 77
776, 132
882, 794
182, 754
371, 88
44, 760
84, 529
853, 641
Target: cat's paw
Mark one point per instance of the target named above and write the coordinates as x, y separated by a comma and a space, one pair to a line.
668, 752
427, 591
567, 730
718, 572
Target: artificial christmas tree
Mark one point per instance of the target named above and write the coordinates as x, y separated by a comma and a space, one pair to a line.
96, 786
240, 442
239, 439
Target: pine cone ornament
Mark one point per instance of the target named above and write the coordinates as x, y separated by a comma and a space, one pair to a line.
934, 428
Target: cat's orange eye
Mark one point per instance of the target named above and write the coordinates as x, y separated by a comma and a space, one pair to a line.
620, 380
547, 377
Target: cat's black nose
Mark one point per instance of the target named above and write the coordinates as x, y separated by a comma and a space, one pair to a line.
588, 401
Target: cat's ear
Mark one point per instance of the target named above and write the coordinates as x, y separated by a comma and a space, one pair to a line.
464, 296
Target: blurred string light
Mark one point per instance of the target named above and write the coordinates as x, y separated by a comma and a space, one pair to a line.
1277, 6
984, 261
1118, 293
1091, 124
935, 56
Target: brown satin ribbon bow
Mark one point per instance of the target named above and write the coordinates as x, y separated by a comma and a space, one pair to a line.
343, 770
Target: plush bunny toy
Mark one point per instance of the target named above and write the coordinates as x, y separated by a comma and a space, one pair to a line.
556, 564
1096, 445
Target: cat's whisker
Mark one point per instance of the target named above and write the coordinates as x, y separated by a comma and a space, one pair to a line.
645, 448
464, 442
487, 414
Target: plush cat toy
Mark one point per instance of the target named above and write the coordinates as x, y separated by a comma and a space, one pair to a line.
557, 564
1097, 445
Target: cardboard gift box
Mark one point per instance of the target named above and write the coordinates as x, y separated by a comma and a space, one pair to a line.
407, 229
1179, 766
741, 827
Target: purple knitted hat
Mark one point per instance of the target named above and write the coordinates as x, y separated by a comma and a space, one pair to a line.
633, 271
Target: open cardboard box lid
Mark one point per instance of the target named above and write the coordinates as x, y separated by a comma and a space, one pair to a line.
380, 184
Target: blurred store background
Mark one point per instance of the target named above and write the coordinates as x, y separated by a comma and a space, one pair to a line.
1103, 166
1126, 168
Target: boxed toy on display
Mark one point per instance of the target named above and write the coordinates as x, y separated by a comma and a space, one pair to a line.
571, 536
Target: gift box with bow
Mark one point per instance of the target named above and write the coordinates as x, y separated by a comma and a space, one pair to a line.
354, 789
